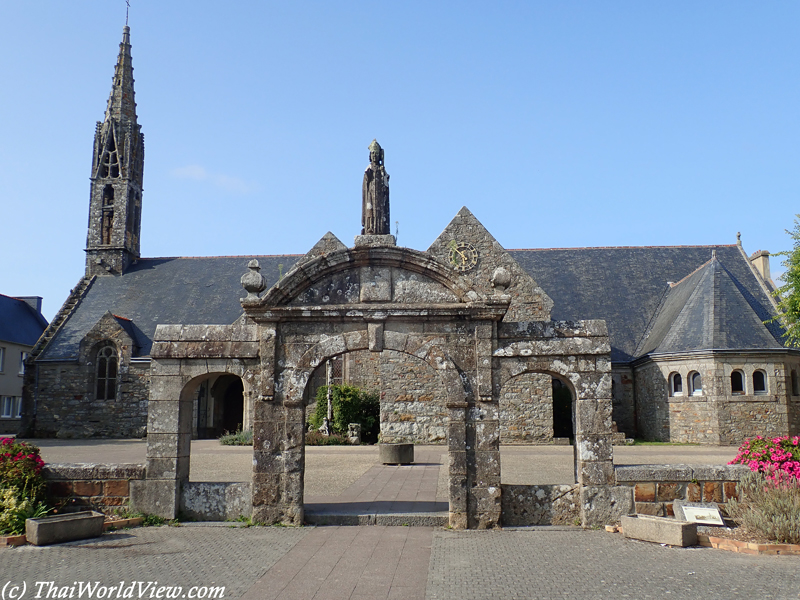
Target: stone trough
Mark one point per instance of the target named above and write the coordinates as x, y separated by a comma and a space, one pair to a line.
64, 528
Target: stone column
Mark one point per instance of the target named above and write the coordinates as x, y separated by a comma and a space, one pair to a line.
601, 501
169, 434
483, 437
457, 454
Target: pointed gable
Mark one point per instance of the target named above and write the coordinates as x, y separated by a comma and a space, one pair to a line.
529, 302
328, 243
707, 310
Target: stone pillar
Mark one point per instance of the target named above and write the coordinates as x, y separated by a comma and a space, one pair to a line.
601, 501
483, 458
169, 434
457, 453
483, 437
278, 457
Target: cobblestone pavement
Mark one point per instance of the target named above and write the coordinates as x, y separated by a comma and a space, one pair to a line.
572, 563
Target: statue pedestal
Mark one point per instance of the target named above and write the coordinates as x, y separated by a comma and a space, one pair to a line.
375, 241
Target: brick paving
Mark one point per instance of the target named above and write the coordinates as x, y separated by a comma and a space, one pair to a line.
555, 562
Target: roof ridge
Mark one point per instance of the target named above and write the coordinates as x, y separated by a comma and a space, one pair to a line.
703, 266
620, 247
222, 256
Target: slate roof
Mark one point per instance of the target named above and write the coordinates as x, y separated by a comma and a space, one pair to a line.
164, 290
707, 310
628, 287
19, 322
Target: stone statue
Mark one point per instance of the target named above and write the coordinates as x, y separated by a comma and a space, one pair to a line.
375, 195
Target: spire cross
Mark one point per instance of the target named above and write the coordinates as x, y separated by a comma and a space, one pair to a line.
127, 8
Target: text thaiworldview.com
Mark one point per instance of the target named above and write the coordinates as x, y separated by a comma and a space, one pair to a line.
98, 590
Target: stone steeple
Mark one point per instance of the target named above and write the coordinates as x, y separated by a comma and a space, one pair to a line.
115, 202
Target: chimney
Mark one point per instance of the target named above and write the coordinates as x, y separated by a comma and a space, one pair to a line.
35, 302
760, 260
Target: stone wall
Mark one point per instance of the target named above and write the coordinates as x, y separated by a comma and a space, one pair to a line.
526, 505
216, 501
715, 414
72, 410
104, 488
655, 488
526, 409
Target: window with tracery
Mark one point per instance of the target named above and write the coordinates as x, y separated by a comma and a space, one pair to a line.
107, 373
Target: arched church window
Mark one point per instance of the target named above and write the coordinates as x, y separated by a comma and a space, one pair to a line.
695, 384
759, 382
795, 384
737, 382
675, 384
107, 373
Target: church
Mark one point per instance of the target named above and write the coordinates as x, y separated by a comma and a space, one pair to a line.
678, 339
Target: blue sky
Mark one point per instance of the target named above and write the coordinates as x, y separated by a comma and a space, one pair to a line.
559, 124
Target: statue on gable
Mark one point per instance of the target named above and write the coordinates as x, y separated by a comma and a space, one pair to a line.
375, 195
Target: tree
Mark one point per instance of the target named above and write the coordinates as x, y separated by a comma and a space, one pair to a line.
788, 294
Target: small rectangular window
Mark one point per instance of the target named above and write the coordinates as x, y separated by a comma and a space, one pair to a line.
23, 356
6, 408
2, 358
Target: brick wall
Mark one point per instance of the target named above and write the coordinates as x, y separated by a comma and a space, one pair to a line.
655, 488
104, 488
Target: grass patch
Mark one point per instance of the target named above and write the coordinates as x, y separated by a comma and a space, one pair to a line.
638, 442
238, 438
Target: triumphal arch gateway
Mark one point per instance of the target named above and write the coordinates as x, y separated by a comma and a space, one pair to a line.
463, 310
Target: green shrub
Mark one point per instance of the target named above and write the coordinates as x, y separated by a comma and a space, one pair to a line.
350, 405
315, 438
22, 486
769, 507
238, 438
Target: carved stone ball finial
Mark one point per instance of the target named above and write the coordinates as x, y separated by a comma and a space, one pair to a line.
501, 279
253, 281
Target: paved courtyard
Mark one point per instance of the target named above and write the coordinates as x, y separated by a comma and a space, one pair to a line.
399, 563
377, 562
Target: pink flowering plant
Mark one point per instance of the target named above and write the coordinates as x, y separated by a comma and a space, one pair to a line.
777, 457
22, 486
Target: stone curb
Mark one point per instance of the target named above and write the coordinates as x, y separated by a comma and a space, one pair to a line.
709, 541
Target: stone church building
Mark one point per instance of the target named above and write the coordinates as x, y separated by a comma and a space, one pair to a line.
674, 338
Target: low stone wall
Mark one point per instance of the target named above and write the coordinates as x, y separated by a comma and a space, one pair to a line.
525, 505
656, 487
83, 486
216, 501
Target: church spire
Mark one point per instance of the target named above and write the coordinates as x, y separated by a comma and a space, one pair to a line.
121, 102
115, 203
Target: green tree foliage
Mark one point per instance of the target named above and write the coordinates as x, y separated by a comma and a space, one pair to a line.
350, 405
788, 294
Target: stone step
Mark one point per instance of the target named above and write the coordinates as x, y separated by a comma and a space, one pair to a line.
417, 519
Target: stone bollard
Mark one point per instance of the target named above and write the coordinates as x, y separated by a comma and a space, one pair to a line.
397, 454
354, 434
